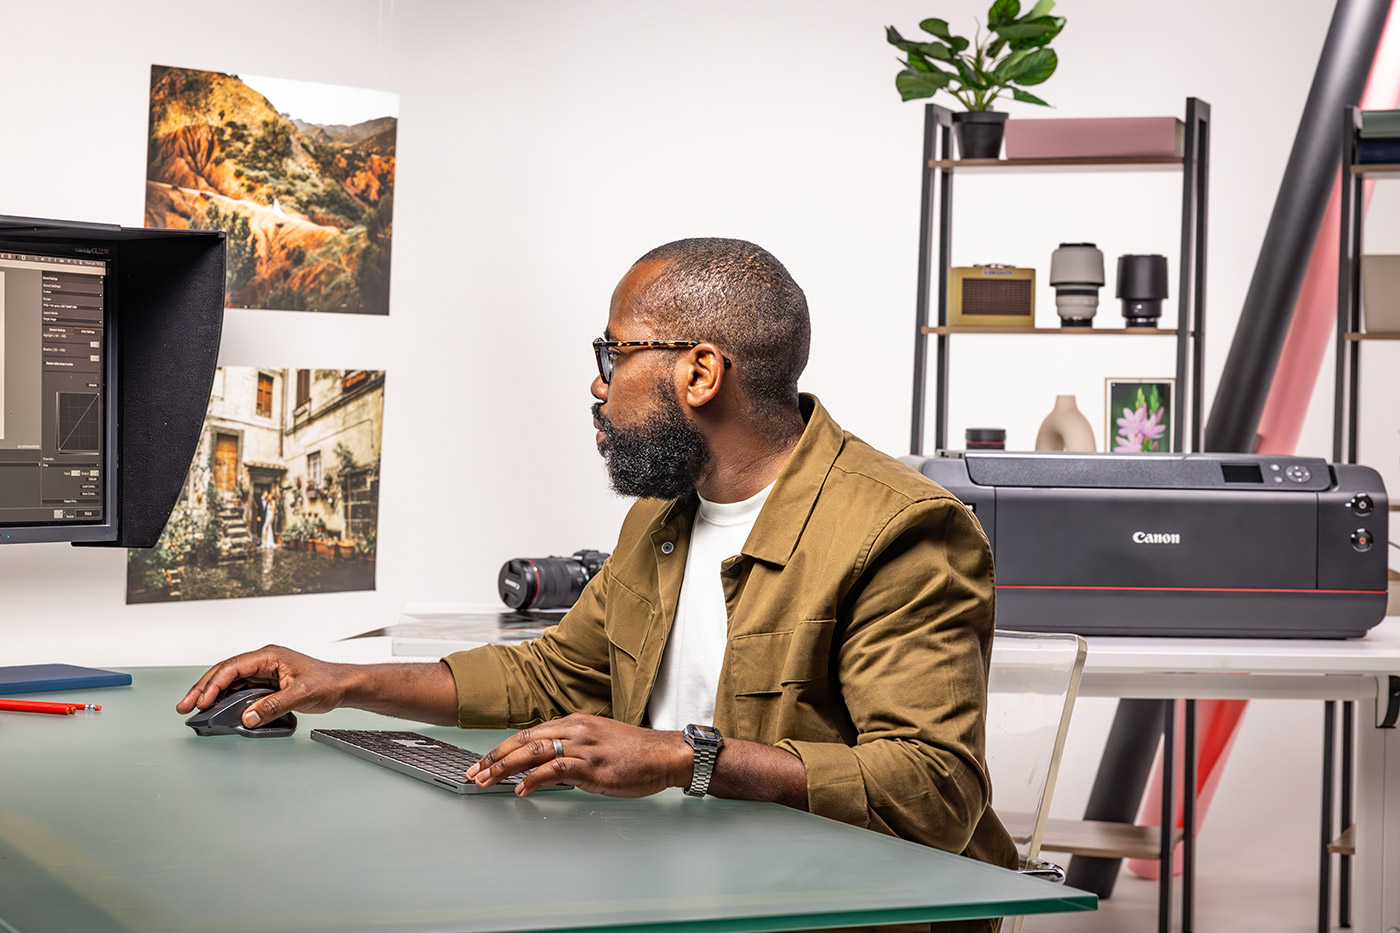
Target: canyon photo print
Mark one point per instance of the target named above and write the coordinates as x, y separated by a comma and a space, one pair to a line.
300, 176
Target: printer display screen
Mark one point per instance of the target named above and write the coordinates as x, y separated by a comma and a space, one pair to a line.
1242, 472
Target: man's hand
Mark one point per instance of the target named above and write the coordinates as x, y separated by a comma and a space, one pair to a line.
304, 684
600, 755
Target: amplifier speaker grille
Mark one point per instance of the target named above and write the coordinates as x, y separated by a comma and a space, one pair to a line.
996, 296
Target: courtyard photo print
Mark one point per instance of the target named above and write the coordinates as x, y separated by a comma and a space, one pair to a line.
282, 496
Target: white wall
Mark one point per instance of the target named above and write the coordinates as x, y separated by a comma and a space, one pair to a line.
545, 145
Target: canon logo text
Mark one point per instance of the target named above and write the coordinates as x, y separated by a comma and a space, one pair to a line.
1156, 537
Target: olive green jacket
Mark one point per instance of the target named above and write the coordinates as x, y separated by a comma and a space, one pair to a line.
860, 629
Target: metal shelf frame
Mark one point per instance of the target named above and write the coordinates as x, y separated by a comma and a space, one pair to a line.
937, 169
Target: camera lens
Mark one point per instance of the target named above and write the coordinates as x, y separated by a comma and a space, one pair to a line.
1142, 284
547, 582
1076, 274
985, 438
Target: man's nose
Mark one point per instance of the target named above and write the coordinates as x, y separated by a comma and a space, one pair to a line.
599, 388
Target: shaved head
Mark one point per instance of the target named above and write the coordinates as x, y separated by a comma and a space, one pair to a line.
736, 295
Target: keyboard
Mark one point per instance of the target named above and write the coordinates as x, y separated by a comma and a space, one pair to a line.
416, 755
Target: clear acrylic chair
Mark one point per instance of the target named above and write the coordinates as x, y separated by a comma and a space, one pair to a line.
1031, 688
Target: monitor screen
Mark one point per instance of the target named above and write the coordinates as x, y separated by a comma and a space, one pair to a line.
57, 481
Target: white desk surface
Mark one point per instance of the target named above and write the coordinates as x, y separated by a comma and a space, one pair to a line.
1377, 653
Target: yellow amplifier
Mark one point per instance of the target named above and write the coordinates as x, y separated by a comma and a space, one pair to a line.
991, 296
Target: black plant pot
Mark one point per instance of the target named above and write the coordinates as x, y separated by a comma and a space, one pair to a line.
979, 133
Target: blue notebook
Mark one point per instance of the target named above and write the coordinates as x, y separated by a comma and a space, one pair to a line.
34, 678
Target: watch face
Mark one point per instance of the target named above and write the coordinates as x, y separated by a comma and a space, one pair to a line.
703, 733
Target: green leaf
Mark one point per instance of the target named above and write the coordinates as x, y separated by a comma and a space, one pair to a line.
1042, 8
995, 48
1037, 66
937, 27
917, 62
969, 77
1055, 22
1010, 66
1003, 12
959, 43
936, 50
1021, 30
1026, 97
896, 40
914, 84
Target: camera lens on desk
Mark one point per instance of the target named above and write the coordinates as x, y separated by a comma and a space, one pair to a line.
547, 582
1142, 285
1076, 274
985, 438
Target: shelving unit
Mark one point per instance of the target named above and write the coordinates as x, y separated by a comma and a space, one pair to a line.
1345, 420
938, 169
1350, 337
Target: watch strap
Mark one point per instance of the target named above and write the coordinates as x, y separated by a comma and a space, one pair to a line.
706, 752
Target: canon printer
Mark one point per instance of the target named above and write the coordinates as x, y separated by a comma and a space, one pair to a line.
1233, 545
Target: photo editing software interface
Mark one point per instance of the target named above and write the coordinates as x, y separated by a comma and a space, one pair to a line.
53, 352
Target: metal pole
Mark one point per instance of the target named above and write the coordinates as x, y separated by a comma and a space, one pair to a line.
1358, 193
1324, 873
1344, 255
1164, 883
916, 430
1186, 262
1344, 868
945, 251
1188, 821
1202, 213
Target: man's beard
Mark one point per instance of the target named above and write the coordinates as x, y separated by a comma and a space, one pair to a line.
661, 458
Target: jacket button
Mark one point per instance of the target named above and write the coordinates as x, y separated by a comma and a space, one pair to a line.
667, 547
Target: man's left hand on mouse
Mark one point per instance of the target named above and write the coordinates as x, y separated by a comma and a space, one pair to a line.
599, 755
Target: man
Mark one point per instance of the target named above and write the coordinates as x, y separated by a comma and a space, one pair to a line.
825, 607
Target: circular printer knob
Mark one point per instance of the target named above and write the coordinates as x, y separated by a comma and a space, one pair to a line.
1361, 504
1362, 540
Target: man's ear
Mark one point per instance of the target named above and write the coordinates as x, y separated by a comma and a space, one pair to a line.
704, 372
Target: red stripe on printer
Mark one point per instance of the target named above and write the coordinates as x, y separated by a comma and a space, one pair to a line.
1178, 589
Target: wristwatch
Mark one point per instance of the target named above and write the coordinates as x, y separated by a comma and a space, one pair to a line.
706, 741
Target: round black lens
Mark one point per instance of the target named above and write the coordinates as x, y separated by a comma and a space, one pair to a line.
547, 582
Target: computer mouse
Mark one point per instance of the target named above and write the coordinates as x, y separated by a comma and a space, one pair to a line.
225, 716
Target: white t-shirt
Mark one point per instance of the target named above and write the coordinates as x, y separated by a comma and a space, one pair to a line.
689, 676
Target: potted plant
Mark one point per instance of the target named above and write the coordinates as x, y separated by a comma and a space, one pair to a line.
1011, 56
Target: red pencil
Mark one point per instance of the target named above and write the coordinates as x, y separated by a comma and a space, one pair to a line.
40, 706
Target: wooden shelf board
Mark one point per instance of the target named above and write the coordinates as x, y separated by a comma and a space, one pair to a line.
1345, 844
1071, 331
1104, 840
1081, 164
1379, 170
1353, 335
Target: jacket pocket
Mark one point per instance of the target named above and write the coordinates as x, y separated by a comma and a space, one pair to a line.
626, 621
779, 682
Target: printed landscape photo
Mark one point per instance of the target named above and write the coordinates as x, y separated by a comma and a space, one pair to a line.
282, 497
300, 176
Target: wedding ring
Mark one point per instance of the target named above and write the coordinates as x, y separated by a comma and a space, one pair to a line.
558, 748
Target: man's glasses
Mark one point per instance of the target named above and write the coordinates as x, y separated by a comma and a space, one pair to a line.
607, 351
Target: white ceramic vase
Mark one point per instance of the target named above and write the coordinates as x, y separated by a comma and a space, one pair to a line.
1065, 428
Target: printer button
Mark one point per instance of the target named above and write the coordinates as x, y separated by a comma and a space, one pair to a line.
1298, 473
1361, 504
1361, 540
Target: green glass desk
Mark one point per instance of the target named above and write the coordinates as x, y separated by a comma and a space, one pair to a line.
125, 820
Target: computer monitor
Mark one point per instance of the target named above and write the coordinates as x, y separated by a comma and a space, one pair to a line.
57, 421
109, 338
